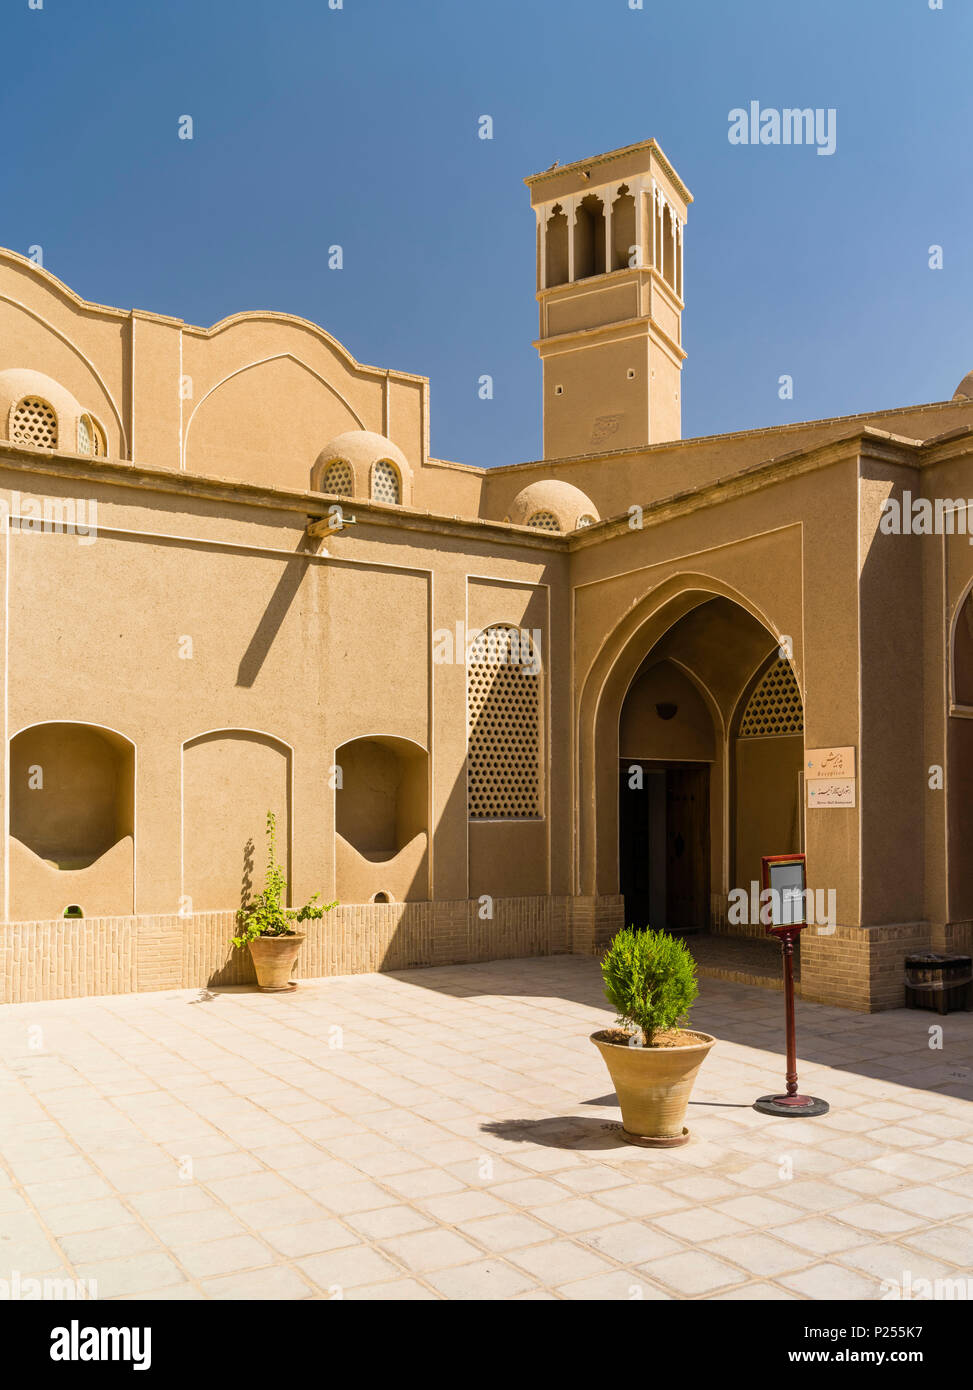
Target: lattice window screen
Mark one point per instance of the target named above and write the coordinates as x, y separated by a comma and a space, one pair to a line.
504, 696
544, 521
775, 707
584, 521
34, 422
84, 435
385, 483
338, 479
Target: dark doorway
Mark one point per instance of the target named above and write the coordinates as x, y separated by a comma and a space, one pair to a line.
664, 844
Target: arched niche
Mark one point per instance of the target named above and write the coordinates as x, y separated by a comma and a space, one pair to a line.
382, 820
72, 792
556, 242
623, 228
589, 238
962, 655
72, 821
382, 802
231, 778
665, 717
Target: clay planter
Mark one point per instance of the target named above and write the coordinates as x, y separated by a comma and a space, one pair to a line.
653, 1086
273, 959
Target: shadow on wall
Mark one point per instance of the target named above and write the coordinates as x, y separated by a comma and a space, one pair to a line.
274, 614
72, 821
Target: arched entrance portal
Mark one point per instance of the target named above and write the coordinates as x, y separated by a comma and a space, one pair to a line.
696, 751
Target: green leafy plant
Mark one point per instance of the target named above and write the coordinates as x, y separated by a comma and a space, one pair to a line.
265, 914
650, 981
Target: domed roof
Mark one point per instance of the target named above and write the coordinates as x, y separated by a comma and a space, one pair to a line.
964, 390
551, 497
18, 382
362, 448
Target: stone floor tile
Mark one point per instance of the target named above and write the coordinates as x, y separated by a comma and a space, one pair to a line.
277, 1282
396, 1290
138, 1274
388, 1221
877, 1217
343, 1269
558, 1262
756, 1293
482, 1279
619, 1285
433, 1249
760, 1254
693, 1272
231, 1255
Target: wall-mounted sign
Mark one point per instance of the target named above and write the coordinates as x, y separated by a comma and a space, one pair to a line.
829, 775
826, 791
829, 762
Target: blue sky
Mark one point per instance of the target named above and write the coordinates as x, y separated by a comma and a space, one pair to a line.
358, 126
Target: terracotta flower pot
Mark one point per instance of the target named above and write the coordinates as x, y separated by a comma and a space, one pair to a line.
273, 959
653, 1086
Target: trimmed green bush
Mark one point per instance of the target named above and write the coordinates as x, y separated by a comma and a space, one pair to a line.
650, 981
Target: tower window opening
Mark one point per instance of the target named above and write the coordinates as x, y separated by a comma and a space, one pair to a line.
556, 240
589, 238
668, 246
623, 229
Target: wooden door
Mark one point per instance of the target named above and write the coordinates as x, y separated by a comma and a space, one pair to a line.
687, 848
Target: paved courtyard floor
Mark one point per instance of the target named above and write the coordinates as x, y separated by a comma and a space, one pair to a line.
451, 1133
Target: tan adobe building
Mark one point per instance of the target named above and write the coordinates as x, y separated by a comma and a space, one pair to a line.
497, 712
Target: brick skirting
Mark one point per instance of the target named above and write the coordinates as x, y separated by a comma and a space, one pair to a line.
860, 968
70, 958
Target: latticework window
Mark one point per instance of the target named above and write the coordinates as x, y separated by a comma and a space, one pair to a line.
584, 521
775, 707
385, 483
34, 422
90, 438
504, 700
544, 521
338, 479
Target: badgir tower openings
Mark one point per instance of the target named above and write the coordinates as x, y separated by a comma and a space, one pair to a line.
496, 712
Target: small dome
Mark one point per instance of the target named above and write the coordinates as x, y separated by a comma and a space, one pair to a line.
361, 451
552, 505
964, 390
20, 383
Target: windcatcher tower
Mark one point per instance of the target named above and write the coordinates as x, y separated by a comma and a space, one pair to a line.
610, 290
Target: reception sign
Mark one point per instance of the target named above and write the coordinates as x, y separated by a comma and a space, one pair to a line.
829, 762
829, 774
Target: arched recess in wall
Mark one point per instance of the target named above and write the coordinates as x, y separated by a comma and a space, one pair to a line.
556, 242
718, 636
382, 819
589, 238
623, 228
767, 769
231, 778
959, 768
72, 820
263, 422
961, 683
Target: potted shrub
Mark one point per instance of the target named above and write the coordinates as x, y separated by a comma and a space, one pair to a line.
267, 927
650, 981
